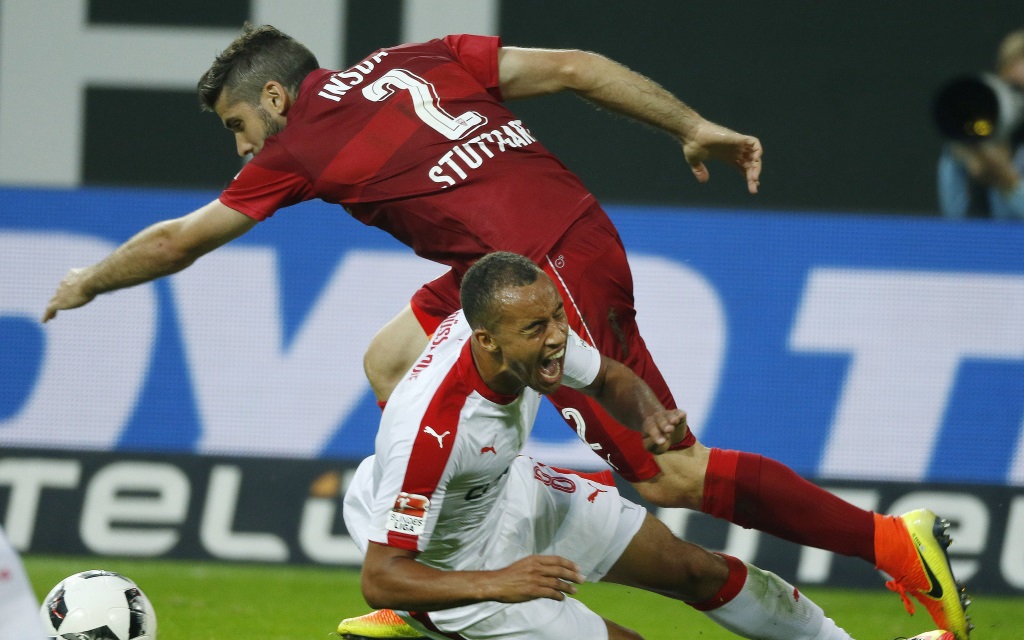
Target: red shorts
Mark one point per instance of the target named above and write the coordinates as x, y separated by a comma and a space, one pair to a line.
588, 265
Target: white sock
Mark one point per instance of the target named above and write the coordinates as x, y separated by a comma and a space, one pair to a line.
19, 611
769, 608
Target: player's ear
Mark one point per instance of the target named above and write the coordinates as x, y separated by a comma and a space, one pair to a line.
486, 341
275, 98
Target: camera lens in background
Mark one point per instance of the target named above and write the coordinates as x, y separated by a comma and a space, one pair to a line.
977, 108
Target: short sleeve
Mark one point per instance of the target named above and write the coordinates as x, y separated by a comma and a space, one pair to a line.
479, 56
582, 362
399, 518
258, 190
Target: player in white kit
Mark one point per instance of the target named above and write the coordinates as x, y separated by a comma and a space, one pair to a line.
19, 609
465, 538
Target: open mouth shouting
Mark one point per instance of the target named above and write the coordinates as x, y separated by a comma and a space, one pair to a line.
550, 369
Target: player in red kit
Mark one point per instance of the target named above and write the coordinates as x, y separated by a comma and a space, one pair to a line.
417, 140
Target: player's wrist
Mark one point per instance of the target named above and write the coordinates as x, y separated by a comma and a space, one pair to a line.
483, 586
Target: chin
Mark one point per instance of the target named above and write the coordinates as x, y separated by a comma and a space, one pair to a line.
542, 386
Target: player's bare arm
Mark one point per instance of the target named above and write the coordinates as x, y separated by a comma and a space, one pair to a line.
632, 403
524, 73
158, 250
392, 579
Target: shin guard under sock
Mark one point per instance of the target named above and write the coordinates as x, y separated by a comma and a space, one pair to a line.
758, 604
759, 493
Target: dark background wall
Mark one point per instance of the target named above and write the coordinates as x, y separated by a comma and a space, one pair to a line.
839, 94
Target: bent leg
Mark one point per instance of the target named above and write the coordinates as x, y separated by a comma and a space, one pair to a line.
592, 272
760, 493
740, 597
590, 267
657, 561
392, 352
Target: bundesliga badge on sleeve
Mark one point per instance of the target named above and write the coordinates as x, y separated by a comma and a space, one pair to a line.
409, 514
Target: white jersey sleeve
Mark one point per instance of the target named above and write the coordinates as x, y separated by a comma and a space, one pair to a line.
582, 362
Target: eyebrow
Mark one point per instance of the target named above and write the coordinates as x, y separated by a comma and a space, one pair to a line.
536, 323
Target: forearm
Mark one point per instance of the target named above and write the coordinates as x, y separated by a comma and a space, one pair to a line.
526, 73
158, 250
148, 255
626, 397
411, 586
616, 88
393, 579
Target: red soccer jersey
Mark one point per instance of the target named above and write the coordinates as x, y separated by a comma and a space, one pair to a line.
416, 141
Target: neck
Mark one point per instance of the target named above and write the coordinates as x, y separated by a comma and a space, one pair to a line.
494, 373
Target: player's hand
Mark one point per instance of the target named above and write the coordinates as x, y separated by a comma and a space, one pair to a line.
536, 577
663, 429
709, 140
70, 294
990, 163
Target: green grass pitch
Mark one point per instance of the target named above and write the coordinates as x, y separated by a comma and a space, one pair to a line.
217, 601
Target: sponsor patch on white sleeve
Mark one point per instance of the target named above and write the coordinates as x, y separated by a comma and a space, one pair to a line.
409, 515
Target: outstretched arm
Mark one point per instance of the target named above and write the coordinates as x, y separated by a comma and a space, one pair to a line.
158, 250
393, 579
629, 400
525, 73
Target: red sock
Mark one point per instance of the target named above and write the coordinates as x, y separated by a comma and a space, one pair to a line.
733, 585
759, 493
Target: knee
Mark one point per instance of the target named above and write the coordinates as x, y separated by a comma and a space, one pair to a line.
698, 576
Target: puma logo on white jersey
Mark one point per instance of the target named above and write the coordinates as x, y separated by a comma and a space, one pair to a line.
439, 436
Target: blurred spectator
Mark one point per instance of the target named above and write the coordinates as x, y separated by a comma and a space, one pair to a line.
983, 179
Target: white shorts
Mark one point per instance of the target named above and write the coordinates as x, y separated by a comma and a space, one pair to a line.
545, 512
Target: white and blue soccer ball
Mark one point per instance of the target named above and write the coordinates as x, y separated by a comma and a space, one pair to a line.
98, 605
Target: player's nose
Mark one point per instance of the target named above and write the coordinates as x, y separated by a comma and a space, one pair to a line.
558, 334
243, 146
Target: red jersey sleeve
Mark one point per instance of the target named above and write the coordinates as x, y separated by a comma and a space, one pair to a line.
479, 55
265, 185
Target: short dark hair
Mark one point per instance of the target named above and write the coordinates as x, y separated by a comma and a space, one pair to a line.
486, 279
260, 54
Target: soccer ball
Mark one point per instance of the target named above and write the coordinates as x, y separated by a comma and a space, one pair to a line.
98, 605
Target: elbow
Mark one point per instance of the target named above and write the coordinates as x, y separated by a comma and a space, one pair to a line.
581, 70
376, 601
377, 596
171, 246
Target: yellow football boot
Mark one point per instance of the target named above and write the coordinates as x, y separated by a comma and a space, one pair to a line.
927, 575
384, 623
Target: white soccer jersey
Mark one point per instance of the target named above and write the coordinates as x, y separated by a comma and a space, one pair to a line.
443, 451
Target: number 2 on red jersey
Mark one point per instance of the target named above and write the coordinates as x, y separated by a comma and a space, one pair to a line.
425, 102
